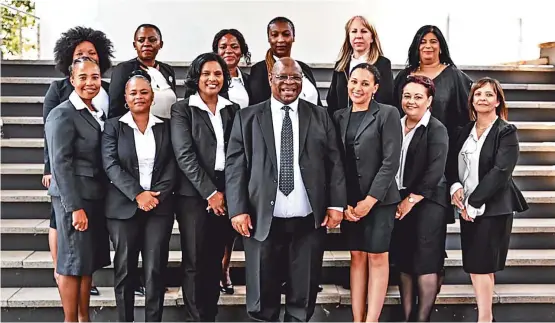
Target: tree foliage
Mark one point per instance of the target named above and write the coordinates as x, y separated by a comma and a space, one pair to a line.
14, 42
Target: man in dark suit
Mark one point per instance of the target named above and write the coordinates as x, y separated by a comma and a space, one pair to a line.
285, 184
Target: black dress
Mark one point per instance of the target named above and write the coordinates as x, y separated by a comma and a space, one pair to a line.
373, 232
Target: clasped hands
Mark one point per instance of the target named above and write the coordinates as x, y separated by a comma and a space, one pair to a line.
147, 200
457, 200
354, 214
216, 203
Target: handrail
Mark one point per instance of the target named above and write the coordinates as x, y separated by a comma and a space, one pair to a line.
19, 10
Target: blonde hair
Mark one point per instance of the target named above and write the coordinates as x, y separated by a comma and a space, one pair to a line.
347, 49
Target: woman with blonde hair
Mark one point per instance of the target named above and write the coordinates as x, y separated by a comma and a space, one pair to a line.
361, 45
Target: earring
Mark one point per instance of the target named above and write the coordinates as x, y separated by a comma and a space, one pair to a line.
126, 106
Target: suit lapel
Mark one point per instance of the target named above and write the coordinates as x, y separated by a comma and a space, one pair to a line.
368, 118
304, 123
204, 115
226, 118
158, 130
90, 119
488, 149
129, 137
411, 154
344, 123
267, 127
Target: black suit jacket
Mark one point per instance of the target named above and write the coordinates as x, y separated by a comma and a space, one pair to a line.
57, 93
425, 163
246, 81
119, 157
338, 98
120, 75
377, 148
73, 137
194, 146
498, 159
260, 86
251, 165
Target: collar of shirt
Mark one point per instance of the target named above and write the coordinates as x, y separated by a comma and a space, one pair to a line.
362, 58
276, 106
474, 133
423, 121
128, 119
196, 100
78, 103
239, 77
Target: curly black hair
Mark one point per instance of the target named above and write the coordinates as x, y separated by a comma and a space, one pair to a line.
193, 73
242, 43
65, 46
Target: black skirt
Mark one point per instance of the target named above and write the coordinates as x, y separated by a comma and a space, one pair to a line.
485, 243
418, 241
81, 253
372, 233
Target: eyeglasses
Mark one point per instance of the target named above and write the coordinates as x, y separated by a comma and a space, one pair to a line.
283, 78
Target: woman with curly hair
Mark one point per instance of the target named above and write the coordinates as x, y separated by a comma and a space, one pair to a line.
231, 46
75, 43
147, 42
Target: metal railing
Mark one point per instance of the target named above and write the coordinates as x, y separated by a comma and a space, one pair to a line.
20, 14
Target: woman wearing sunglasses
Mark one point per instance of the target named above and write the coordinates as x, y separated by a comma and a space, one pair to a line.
479, 171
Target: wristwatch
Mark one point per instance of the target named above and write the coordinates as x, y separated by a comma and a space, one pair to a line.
411, 200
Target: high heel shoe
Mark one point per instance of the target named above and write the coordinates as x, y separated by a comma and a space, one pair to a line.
227, 289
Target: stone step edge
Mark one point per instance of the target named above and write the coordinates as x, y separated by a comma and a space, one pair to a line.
37, 169
319, 84
510, 104
540, 197
335, 259
39, 143
41, 226
522, 125
48, 297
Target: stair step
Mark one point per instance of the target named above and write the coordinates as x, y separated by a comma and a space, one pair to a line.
37, 169
516, 257
538, 197
331, 294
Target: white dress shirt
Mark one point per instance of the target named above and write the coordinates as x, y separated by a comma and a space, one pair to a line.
164, 96
145, 145
406, 143
469, 161
355, 61
296, 204
237, 91
78, 103
309, 92
102, 101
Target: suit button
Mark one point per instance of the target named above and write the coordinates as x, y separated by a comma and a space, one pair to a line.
356, 142
358, 158
275, 181
302, 168
359, 176
271, 202
225, 142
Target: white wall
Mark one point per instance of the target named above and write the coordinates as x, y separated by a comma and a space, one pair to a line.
480, 32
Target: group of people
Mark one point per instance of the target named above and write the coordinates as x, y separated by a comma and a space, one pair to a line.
390, 160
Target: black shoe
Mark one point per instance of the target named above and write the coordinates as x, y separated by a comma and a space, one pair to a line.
94, 291
227, 289
140, 291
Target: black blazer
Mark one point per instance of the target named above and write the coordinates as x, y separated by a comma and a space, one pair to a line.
120, 75
338, 98
377, 148
76, 164
260, 86
57, 93
498, 159
251, 165
425, 163
246, 81
119, 157
194, 146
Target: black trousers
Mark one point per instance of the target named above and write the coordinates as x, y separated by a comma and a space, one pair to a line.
296, 247
203, 238
149, 234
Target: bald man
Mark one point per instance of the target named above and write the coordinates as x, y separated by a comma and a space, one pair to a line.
285, 184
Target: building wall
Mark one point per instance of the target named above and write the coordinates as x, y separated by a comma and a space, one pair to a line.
480, 32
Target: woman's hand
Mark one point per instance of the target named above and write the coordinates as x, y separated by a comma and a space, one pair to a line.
147, 201
365, 206
349, 214
457, 198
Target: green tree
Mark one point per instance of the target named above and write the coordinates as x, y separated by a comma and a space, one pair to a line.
13, 42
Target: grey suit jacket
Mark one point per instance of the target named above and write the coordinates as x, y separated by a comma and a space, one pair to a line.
73, 138
251, 166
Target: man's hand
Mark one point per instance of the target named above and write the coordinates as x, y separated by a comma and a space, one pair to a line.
403, 208
147, 201
332, 218
46, 179
242, 224
216, 203
79, 220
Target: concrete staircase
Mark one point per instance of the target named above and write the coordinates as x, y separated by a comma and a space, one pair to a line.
525, 290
